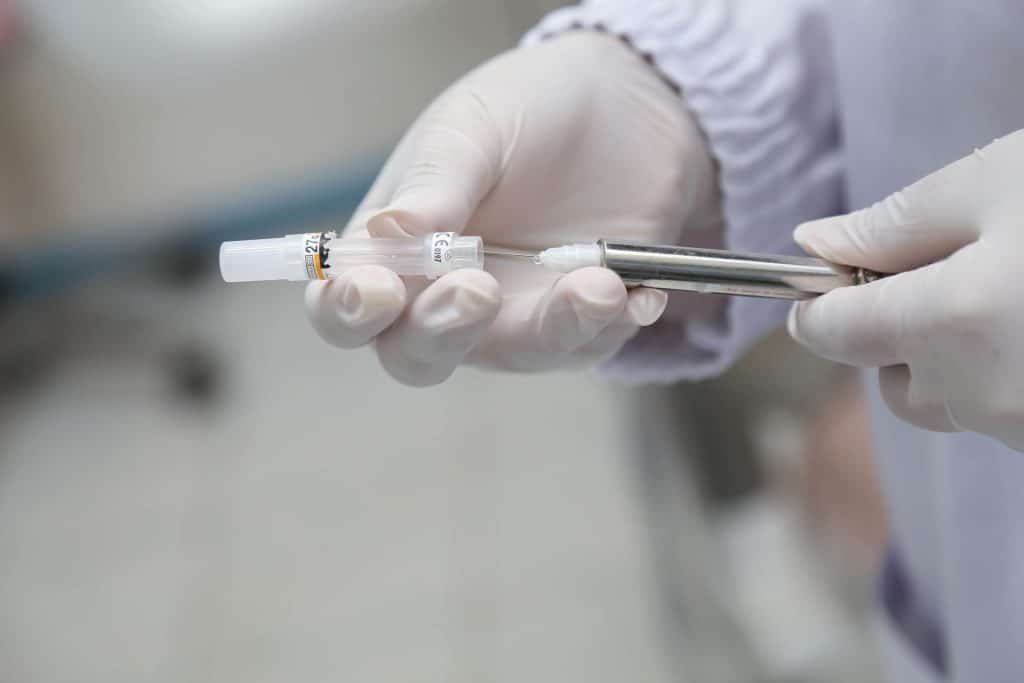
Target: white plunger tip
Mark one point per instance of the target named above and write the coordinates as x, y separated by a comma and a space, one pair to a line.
571, 257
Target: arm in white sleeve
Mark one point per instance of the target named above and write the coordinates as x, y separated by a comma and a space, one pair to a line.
758, 75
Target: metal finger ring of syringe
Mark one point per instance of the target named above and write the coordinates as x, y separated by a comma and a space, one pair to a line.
322, 256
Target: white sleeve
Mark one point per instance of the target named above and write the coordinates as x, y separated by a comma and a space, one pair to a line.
759, 77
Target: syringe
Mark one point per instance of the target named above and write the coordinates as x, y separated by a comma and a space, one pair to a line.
321, 256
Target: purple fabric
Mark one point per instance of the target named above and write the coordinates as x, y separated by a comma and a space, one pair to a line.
903, 608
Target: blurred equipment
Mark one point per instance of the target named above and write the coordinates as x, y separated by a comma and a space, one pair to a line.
150, 41
286, 138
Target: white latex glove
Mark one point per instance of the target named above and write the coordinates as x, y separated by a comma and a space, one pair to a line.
949, 336
571, 140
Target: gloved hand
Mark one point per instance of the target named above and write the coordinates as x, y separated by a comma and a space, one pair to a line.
571, 140
949, 336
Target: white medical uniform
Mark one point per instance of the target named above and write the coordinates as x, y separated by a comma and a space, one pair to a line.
815, 107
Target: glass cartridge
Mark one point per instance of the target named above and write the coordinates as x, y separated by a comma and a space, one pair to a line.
325, 255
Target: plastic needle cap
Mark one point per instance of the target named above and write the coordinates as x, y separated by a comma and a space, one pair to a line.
571, 257
254, 260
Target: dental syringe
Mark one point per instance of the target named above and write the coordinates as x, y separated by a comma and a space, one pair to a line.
321, 256
709, 271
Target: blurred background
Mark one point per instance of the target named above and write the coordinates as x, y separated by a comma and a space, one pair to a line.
194, 488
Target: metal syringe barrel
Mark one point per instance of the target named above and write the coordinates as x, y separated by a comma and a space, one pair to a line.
712, 271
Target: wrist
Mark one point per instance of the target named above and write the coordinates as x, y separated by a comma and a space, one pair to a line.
598, 41
620, 70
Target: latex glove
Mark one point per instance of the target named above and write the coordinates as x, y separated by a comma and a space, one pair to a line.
571, 140
949, 336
